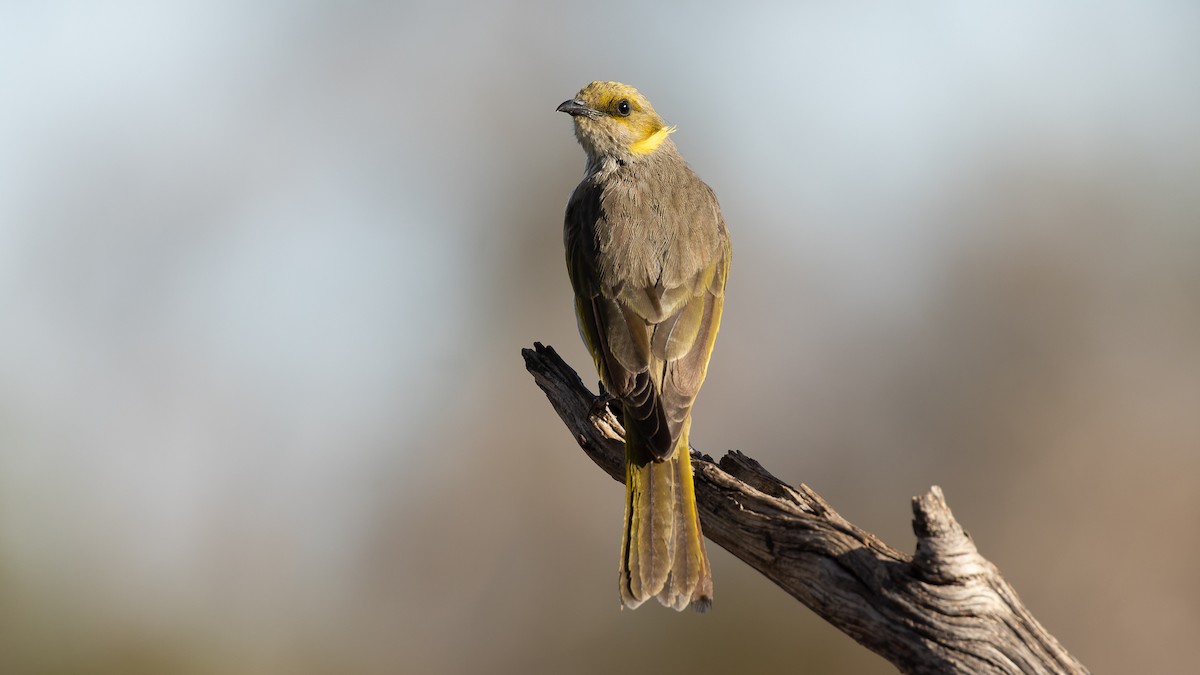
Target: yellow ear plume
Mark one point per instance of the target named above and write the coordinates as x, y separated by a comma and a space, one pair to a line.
650, 143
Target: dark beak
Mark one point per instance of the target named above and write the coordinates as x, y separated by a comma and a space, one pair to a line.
575, 107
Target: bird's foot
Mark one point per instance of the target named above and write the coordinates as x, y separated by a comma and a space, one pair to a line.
600, 404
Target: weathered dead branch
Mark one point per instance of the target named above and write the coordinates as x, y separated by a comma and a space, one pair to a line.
945, 609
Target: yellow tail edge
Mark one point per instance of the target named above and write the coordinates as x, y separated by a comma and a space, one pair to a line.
663, 554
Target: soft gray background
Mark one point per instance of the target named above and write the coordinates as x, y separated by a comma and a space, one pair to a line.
266, 269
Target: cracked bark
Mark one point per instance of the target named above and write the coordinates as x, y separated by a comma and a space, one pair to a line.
945, 609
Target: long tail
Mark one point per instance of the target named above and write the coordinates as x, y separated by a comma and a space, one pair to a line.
662, 553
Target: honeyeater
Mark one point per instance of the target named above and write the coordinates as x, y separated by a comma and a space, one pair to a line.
648, 254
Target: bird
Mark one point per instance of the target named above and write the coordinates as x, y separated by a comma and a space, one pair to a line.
648, 255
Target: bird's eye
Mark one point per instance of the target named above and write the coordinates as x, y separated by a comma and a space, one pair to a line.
623, 108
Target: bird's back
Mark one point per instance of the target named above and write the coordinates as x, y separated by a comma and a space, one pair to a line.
647, 244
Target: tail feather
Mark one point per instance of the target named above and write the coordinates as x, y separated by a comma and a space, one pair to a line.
662, 552
691, 580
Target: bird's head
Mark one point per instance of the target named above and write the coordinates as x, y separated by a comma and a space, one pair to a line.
614, 120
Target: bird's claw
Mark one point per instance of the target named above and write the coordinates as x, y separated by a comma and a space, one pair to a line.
600, 403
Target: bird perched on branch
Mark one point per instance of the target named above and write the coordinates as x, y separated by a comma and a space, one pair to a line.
648, 255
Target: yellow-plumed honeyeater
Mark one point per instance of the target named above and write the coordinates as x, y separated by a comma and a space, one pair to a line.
648, 254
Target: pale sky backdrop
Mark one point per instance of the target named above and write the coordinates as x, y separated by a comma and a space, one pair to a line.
266, 269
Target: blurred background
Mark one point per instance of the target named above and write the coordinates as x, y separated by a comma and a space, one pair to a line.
266, 270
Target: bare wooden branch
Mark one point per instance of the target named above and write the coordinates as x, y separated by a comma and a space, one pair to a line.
945, 609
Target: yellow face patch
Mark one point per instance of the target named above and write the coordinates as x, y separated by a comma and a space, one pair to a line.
621, 104
605, 95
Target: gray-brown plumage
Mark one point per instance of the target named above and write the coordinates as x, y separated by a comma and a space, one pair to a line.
648, 255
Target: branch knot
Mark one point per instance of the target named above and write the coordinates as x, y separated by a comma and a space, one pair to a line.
945, 553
